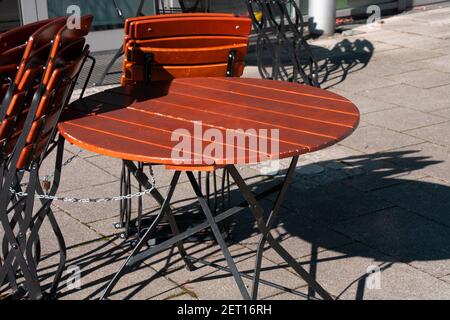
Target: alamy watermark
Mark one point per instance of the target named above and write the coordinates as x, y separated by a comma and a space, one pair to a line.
74, 17
373, 279
73, 278
235, 146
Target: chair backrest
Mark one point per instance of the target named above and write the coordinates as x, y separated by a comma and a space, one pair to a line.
36, 123
18, 36
12, 47
40, 39
36, 53
51, 104
65, 48
184, 45
67, 37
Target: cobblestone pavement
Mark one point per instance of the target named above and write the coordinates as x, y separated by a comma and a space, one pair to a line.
379, 199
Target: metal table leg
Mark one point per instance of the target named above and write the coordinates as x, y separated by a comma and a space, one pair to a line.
264, 227
136, 256
211, 221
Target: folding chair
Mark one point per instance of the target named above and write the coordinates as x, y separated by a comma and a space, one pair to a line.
12, 47
161, 48
186, 6
34, 117
280, 28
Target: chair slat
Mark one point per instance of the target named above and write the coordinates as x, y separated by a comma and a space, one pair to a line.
130, 22
136, 73
173, 27
189, 51
183, 45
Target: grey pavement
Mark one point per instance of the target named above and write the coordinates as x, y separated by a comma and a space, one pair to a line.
379, 199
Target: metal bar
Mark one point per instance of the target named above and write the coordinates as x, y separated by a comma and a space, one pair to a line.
269, 224
258, 211
143, 180
184, 235
217, 234
243, 275
127, 264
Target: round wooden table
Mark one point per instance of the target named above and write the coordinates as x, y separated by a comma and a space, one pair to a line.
137, 124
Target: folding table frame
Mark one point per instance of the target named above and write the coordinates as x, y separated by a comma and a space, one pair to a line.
279, 29
251, 201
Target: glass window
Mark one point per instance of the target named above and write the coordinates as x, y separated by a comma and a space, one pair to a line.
105, 14
9, 14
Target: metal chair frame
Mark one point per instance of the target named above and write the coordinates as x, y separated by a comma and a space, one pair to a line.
18, 251
286, 31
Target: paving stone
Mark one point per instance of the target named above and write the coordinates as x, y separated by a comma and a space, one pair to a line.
424, 159
372, 139
76, 175
408, 237
332, 203
142, 283
357, 82
438, 133
384, 66
221, 285
444, 113
424, 78
90, 212
344, 273
426, 197
366, 105
282, 295
402, 119
301, 236
334, 153
441, 63
414, 41
81, 153
435, 31
412, 97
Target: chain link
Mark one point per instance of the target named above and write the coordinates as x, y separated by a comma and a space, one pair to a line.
68, 161
85, 200
46, 178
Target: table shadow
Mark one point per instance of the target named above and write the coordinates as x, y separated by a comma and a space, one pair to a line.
412, 226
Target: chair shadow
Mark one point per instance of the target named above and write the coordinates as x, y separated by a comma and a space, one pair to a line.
413, 241
334, 65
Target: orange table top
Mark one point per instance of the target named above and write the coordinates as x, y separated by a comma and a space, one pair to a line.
138, 123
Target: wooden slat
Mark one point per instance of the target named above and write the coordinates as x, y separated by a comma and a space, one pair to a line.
271, 91
283, 109
188, 56
173, 27
132, 21
135, 72
136, 123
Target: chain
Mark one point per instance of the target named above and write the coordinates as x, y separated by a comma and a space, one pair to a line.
46, 178
68, 161
86, 200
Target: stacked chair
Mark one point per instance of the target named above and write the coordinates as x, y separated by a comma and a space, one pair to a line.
48, 59
280, 30
164, 47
